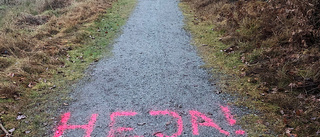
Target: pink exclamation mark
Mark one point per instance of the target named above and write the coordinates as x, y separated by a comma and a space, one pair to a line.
230, 119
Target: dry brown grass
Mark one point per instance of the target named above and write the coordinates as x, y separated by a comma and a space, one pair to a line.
37, 41
59, 50
35, 36
278, 43
4, 63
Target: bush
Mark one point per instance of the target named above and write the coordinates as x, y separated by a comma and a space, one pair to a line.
278, 42
286, 31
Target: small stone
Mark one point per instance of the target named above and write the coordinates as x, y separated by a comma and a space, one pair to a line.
141, 124
184, 113
282, 112
53, 87
168, 123
11, 130
21, 117
267, 123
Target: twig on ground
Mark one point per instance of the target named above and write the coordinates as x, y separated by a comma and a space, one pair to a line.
4, 130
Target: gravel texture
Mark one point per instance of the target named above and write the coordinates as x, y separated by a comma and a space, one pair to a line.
153, 68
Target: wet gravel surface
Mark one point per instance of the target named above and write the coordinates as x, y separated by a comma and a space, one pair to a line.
153, 68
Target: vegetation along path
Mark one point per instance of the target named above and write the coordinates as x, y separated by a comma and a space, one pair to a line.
152, 85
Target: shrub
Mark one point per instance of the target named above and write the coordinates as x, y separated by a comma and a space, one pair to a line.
285, 34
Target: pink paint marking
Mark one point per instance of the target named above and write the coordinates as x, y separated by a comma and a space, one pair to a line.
173, 114
207, 122
230, 119
240, 132
64, 119
228, 115
119, 129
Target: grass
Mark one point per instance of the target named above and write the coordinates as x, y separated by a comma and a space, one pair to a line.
273, 69
2, 9
211, 48
41, 103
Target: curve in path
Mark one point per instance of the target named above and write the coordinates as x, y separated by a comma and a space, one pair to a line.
152, 86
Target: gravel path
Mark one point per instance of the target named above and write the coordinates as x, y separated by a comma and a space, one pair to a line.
152, 86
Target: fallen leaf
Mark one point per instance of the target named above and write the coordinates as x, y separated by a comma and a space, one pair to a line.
53, 87
285, 120
19, 117
299, 112
292, 85
282, 112
300, 96
30, 85
288, 130
11, 74
11, 130
300, 83
275, 89
243, 74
